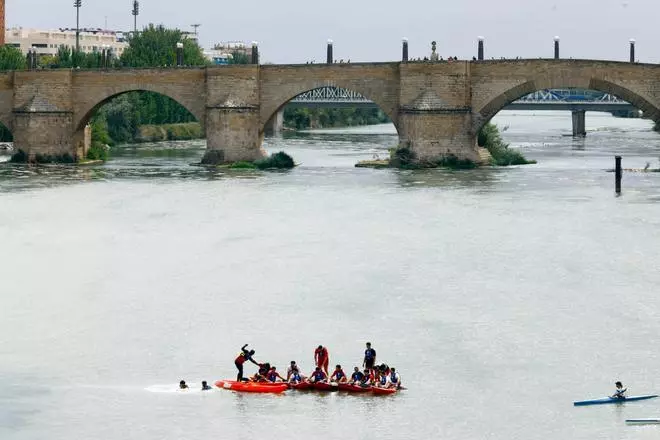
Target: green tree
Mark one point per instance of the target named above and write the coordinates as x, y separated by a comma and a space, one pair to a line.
12, 58
238, 57
155, 46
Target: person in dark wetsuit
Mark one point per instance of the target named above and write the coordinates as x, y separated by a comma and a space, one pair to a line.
205, 386
369, 357
357, 376
182, 385
243, 356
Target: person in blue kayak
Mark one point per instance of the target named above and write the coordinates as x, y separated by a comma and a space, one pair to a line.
242, 357
318, 376
369, 357
338, 375
357, 376
620, 392
205, 386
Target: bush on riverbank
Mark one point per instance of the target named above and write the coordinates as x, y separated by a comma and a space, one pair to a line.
405, 158
279, 160
169, 132
304, 118
490, 138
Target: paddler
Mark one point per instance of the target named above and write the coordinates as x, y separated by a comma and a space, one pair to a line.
357, 376
338, 375
293, 368
395, 379
367, 378
318, 376
273, 375
244, 355
620, 392
322, 358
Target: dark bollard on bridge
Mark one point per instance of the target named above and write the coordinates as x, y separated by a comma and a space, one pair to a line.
618, 174
329, 53
404, 55
255, 53
556, 48
632, 50
480, 49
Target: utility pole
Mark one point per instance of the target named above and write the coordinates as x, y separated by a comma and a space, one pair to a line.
195, 26
136, 12
77, 4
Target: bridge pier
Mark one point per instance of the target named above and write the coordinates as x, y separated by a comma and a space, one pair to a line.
44, 133
232, 135
433, 135
579, 123
275, 124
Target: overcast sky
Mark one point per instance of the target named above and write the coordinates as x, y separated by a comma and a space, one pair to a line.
291, 31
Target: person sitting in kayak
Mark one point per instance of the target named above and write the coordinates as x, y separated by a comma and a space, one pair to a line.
357, 376
381, 380
273, 375
620, 392
260, 375
182, 385
318, 376
322, 358
244, 356
295, 377
395, 379
293, 368
205, 386
369, 357
367, 378
384, 369
338, 375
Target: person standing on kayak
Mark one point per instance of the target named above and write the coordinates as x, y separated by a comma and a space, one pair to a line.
369, 357
244, 355
322, 358
620, 392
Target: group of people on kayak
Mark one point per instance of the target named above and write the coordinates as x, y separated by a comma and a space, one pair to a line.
372, 374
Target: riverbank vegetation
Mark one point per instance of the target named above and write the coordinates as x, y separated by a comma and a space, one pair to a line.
276, 161
304, 118
489, 137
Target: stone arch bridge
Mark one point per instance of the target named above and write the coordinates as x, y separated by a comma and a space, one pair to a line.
437, 108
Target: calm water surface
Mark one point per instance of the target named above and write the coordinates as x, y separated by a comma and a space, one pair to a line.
501, 295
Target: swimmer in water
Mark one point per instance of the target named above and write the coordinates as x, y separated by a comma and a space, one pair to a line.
205, 386
182, 385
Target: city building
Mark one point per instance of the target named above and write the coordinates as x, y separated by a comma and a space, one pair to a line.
224, 51
47, 42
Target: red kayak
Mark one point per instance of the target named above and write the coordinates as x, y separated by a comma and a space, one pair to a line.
300, 386
353, 388
322, 386
383, 391
251, 387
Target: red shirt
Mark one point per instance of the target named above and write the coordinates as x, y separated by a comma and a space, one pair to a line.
321, 354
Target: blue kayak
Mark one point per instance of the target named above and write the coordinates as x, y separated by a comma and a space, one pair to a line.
613, 400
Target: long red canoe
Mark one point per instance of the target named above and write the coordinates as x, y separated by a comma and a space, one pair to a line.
353, 388
383, 391
251, 387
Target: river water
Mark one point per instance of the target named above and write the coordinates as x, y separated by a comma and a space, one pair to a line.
501, 295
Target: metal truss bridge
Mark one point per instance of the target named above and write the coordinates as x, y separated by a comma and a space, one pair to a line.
557, 99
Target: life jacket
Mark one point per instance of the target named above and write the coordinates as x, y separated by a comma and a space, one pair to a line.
241, 358
296, 377
319, 375
339, 374
383, 379
394, 378
357, 375
272, 376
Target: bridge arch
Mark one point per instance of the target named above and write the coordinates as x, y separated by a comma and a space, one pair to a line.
484, 114
378, 82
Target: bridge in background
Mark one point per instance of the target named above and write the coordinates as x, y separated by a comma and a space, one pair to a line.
578, 101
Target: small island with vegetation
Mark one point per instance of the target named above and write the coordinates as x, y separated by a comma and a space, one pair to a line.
499, 154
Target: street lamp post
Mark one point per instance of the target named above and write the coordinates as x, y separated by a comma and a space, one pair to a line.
77, 4
179, 54
136, 12
255, 53
556, 48
404, 50
632, 50
480, 49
